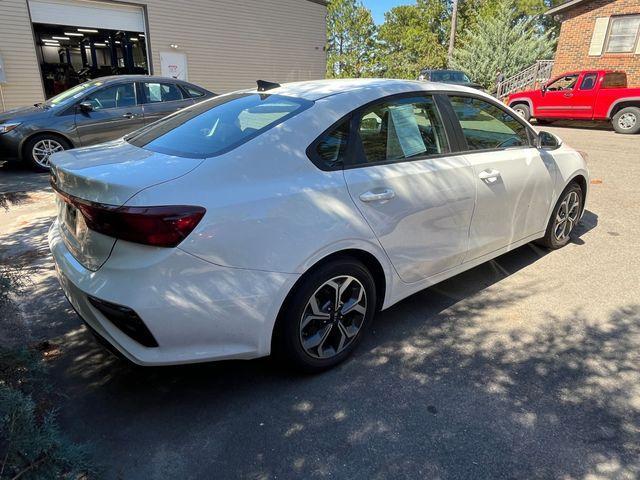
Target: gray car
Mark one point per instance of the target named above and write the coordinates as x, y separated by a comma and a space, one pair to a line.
455, 77
93, 112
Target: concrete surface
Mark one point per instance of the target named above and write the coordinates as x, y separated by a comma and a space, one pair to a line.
526, 367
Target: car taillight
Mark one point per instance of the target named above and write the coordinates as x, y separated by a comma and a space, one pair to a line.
161, 226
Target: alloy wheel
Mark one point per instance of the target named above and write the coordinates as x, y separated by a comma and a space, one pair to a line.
43, 150
627, 120
567, 216
519, 111
333, 317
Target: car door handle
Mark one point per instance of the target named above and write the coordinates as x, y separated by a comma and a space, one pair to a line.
129, 115
377, 195
568, 95
489, 175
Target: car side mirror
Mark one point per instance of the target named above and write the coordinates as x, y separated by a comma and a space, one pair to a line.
544, 88
547, 141
86, 107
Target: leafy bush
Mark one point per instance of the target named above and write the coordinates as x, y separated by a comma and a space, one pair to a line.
31, 443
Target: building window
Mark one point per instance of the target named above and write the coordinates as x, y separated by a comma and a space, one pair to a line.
623, 34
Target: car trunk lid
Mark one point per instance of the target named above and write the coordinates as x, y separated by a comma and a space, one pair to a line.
108, 174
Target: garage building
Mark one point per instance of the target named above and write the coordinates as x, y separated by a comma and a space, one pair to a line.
47, 46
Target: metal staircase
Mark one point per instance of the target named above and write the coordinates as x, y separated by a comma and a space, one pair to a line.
528, 78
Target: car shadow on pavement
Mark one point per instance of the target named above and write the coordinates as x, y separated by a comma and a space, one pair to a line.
440, 388
578, 124
15, 178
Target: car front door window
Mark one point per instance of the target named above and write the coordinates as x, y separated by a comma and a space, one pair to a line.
563, 83
486, 126
115, 96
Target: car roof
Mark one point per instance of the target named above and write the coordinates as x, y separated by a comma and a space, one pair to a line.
156, 78
316, 89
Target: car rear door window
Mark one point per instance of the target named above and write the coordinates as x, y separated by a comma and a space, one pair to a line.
115, 96
400, 129
162, 92
486, 126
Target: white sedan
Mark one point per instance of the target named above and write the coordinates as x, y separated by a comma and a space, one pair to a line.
281, 219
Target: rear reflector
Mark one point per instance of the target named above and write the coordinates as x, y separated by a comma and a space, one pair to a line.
162, 226
126, 320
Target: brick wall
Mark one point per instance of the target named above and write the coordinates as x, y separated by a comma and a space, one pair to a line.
575, 37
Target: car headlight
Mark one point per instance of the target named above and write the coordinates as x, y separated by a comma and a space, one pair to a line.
7, 127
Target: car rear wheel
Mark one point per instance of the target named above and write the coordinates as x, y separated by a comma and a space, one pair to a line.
38, 150
326, 315
522, 110
627, 120
564, 218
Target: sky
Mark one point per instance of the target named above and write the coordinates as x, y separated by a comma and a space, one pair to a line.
378, 7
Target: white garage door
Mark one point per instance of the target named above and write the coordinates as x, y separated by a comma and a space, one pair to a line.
87, 14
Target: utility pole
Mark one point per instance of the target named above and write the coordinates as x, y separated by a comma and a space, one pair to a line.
452, 36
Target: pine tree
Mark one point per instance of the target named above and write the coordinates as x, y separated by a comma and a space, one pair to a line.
502, 39
413, 37
351, 44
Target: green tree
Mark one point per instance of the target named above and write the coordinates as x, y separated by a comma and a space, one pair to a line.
351, 40
413, 37
501, 39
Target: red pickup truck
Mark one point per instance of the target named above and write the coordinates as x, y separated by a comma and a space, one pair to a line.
587, 95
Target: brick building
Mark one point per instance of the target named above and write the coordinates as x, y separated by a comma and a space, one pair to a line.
599, 34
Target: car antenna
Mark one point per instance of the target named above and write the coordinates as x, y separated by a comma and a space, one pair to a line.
264, 85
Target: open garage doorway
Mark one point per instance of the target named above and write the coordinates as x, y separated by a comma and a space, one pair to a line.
78, 41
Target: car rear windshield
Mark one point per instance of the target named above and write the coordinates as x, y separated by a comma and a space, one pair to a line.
449, 76
217, 126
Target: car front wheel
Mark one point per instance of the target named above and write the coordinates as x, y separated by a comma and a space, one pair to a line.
564, 218
38, 150
326, 316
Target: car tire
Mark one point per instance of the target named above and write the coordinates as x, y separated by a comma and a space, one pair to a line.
313, 335
564, 218
39, 147
627, 120
522, 110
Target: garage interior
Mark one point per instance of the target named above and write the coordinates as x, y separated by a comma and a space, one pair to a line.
80, 41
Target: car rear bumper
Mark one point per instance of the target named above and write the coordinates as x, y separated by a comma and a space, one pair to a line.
197, 311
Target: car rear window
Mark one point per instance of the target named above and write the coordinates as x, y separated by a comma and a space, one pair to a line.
217, 126
615, 80
449, 76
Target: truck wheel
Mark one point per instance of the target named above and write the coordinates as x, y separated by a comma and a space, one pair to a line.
523, 111
627, 120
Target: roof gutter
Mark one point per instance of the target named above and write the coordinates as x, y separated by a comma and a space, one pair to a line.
562, 7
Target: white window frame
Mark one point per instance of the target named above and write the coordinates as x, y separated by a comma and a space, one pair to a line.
633, 47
